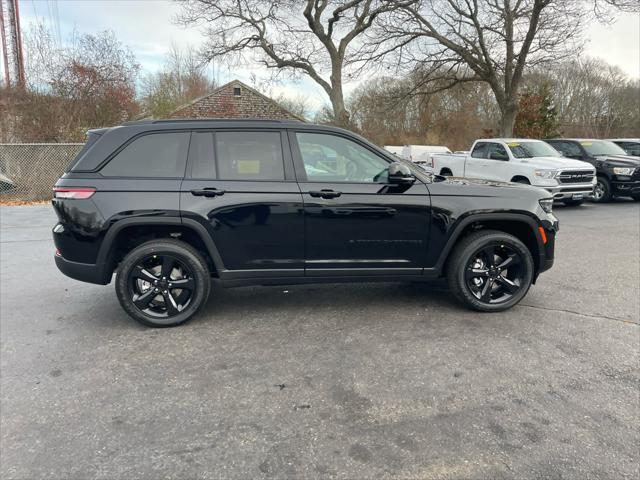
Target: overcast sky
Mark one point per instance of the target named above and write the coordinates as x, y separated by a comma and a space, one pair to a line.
146, 27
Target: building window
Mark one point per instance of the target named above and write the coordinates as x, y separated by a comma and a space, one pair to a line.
236, 91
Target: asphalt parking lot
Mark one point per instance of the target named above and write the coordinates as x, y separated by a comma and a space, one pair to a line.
345, 381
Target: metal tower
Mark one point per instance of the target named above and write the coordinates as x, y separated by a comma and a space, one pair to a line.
13, 60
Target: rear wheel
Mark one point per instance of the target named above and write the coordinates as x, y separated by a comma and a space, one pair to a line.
490, 271
573, 203
446, 172
602, 191
163, 283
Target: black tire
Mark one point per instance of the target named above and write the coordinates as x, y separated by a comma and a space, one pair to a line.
182, 257
466, 251
602, 190
523, 181
573, 203
446, 172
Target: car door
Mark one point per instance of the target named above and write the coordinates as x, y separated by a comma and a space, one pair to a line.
477, 164
356, 223
241, 188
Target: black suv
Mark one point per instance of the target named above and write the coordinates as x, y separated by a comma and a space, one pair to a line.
618, 173
173, 205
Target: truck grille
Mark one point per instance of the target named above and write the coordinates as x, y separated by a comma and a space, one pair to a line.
575, 176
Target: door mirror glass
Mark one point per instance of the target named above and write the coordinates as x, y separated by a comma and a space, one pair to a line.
399, 173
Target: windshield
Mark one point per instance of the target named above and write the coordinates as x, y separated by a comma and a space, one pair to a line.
532, 149
602, 147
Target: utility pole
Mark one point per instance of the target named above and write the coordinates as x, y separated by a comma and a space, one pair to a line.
12, 55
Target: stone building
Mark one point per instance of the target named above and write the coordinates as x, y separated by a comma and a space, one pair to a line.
233, 100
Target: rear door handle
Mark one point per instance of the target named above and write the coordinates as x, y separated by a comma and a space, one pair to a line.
207, 192
325, 193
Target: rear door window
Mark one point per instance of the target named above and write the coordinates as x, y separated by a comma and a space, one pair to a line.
480, 150
156, 155
249, 156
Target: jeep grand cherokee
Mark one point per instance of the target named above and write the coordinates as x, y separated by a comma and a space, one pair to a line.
171, 206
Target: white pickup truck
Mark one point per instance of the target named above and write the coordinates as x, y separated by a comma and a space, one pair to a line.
527, 161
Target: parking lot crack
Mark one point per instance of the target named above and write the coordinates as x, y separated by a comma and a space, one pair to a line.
589, 315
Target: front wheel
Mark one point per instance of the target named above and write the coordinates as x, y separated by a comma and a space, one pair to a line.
490, 271
602, 191
163, 283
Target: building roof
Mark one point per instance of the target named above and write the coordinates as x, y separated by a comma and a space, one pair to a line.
237, 84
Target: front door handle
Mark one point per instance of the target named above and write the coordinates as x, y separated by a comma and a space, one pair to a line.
207, 192
325, 193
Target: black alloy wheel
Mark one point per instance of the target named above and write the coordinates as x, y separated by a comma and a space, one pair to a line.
494, 273
163, 283
490, 271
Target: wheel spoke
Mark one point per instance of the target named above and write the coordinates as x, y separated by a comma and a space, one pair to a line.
170, 303
508, 285
144, 300
485, 295
471, 273
184, 283
489, 253
510, 261
167, 266
143, 274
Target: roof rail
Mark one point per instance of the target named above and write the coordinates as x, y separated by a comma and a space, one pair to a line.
195, 120
208, 120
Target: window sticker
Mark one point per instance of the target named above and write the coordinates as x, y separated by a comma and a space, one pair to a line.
249, 167
513, 144
586, 144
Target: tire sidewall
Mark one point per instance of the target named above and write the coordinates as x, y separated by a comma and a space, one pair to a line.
190, 258
606, 195
465, 256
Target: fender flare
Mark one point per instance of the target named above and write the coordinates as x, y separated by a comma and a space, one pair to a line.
196, 227
476, 217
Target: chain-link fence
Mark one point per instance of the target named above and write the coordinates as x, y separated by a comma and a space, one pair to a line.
28, 171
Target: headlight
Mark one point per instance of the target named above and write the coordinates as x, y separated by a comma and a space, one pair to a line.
546, 204
623, 170
545, 173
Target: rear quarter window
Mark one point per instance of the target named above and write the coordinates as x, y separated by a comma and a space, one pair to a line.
92, 138
155, 155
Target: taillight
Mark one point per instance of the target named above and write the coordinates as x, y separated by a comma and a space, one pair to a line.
75, 193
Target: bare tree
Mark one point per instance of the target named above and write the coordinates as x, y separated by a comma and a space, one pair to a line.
182, 80
316, 38
593, 99
491, 41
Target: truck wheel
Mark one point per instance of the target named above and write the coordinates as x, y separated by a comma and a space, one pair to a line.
446, 172
490, 271
523, 181
602, 191
163, 283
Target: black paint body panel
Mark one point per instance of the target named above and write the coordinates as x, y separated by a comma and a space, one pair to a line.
270, 232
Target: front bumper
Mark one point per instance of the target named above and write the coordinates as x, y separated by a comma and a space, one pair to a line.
570, 191
622, 186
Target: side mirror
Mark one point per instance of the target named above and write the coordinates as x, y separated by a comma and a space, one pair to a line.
498, 156
400, 174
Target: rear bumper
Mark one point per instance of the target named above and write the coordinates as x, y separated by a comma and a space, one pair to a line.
85, 272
